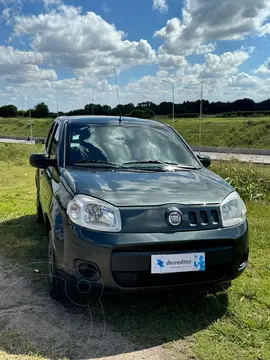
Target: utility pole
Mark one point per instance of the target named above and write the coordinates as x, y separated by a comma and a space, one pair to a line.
201, 115
19, 93
30, 119
93, 93
57, 105
173, 104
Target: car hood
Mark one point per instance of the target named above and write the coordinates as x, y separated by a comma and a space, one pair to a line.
142, 188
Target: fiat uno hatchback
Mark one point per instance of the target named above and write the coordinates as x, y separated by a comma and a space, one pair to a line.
128, 206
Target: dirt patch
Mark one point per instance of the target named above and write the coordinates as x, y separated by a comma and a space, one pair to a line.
31, 322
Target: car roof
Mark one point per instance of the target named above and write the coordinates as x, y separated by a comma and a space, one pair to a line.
107, 120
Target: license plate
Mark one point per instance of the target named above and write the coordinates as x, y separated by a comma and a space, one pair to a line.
177, 263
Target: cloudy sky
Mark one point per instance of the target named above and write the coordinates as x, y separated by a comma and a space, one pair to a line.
67, 48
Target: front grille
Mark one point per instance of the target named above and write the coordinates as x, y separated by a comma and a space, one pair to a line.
174, 246
146, 279
209, 218
155, 219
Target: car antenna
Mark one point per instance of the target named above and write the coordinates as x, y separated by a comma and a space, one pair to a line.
201, 117
117, 93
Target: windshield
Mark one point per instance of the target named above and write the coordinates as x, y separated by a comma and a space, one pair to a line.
123, 144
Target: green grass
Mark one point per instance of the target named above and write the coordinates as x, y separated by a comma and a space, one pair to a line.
234, 132
226, 326
14, 154
21, 127
251, 181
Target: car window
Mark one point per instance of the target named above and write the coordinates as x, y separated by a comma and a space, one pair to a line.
48, 141
126, 143
54, 142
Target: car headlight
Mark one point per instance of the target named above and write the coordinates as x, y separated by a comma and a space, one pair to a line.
94, 214
233, 210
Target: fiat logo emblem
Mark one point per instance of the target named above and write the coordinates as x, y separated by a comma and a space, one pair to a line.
175, 218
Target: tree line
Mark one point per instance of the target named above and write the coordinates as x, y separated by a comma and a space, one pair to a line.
148, 109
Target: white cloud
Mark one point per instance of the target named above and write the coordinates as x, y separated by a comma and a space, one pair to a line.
6, 15
220, 74
264, 30
160, 5
82, 42
243, 80
13, 57
205, 48
171, 61
65, 36
51, 3
227, 63
8, 2
72, 93
105, 7
22, 66
208, 20
264, 69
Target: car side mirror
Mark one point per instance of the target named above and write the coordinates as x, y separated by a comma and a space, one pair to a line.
205, 160
41, 161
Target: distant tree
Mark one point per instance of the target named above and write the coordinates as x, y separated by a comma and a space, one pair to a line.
21, 113
8, 111
147, 105
243, 105
107, 110
147, 109
164, 108
41, 111
264, 105
128, 108
149, 114
138, 113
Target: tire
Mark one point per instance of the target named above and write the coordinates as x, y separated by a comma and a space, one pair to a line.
57, 285
40, 217
60, 289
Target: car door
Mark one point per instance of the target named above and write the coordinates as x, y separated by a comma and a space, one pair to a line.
49, 175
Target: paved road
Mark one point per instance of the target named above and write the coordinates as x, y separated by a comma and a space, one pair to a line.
259, 159
15, 141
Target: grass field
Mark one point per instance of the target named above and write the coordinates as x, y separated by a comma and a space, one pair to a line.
235, 132
226, 326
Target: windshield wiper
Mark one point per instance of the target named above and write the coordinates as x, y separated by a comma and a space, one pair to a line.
101, 162
182, 166
143, 162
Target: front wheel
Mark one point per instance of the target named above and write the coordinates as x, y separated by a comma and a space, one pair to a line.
57, 285
40, 217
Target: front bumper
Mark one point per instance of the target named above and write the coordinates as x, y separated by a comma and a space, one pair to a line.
123, 260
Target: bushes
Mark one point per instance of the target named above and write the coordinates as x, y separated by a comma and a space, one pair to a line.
249, 180
143, 114
244, 114
184, 116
